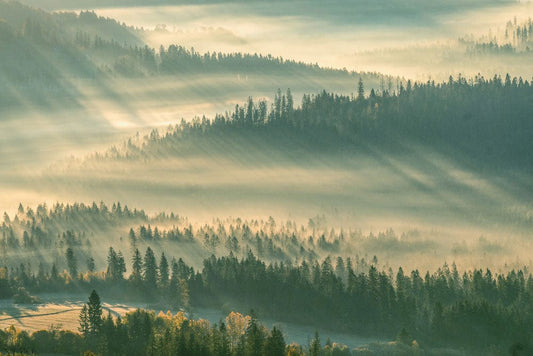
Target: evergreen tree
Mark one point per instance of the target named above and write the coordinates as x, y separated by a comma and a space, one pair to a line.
275, 343
254, 337
315, 348
94, 313
163, 272
91, 266
137, 265
360, 90
84, 321
54, 276
72, 263
225, 349
150, 270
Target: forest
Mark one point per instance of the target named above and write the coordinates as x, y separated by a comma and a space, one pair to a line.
516, 38
284, 271
47, 50
435, 309
483, 122
350, 294
265, 178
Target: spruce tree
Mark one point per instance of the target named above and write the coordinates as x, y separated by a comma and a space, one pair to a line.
315, 348
275, 343
72, 263
150, 270
84, 321
137, 265
163, 272
360, 90
94, 313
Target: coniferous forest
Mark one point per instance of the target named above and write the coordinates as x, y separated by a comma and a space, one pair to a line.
266, 178
289, 281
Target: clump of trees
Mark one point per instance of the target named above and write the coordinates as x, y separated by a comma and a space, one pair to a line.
517, 38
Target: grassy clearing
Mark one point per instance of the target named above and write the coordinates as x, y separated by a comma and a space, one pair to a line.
49, 314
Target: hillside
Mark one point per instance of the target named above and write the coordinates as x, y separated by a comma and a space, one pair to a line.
59, 47
454, 155
87, 81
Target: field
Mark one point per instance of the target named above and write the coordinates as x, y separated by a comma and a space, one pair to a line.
62, 312
54, 312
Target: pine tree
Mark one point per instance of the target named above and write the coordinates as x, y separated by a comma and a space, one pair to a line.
54, 276
315, 348
184, 294
163, 272
150, 270
275, 343
91, 266
94, 313
72, 263
225, 349
84, 321
137, 265
360, 90
132, 237
254, 337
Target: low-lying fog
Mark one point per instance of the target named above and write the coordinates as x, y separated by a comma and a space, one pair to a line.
35, 136
372, 192
459, 215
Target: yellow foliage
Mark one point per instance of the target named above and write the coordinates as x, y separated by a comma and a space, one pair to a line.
236, 325
179, 318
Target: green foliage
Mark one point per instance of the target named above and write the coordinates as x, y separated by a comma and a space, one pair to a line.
315, 349
22, 296
150, 271
345, 294
275, 343
94, 314
116, 266
480, 122
72, 263
84, 321
404, 337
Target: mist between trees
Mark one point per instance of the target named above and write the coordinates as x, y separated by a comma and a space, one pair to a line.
351, 294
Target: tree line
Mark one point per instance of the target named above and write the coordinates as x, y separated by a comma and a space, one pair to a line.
484, 123
517, 38
438, 309
115, 48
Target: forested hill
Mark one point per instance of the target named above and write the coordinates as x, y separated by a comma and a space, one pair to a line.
44, 51
486, 123
117, 48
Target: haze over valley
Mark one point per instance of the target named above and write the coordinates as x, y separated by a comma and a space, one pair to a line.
262, 170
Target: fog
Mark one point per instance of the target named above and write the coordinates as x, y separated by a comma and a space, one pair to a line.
416, 42
440, 210
401, 40
95, 111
